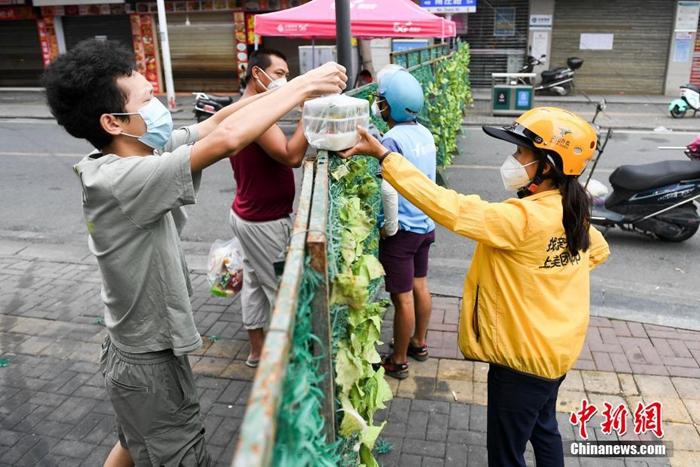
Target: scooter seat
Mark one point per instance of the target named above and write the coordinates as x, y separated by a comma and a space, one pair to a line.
550, 74
644, 176
692, 87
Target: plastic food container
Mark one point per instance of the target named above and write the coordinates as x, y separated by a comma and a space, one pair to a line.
331, 122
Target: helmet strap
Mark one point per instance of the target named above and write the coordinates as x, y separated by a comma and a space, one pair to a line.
539, 177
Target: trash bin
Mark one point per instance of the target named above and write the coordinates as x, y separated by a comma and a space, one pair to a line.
510, 97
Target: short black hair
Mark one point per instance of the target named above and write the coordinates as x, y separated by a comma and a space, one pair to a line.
261, 59
82, 85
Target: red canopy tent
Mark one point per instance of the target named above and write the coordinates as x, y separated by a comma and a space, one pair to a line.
368, 18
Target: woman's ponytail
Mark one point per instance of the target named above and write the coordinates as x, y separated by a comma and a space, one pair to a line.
577, 214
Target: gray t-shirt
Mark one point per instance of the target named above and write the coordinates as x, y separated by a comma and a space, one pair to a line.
132, 207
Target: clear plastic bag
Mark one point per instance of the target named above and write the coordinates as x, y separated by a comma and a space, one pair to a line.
225, 268
331, 122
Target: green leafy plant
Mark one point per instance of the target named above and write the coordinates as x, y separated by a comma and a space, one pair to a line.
355, 270
446, 97
357, 320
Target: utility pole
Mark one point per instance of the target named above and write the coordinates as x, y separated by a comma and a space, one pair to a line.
343, 37
165, 50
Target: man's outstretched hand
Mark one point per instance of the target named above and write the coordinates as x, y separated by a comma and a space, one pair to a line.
367, 146
329, 78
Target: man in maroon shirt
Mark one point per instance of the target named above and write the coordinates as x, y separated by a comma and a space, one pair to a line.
260, 214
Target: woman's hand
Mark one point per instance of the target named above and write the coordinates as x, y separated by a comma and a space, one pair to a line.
367, 146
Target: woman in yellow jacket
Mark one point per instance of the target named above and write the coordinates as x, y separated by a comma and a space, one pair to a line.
526, 296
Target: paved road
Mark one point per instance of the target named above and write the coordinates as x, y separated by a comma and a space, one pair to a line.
645, 280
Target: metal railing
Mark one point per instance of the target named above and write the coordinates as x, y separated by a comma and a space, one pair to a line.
414, 57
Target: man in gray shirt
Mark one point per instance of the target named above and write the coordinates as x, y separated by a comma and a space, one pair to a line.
133, 189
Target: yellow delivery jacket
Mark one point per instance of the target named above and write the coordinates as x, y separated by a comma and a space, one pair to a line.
526, 298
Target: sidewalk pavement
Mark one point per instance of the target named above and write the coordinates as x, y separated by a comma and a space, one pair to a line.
623, 112
484, 94
53, 409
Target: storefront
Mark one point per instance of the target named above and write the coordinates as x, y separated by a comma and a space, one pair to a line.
624, 44
113, 27
77, 20
210, 40
202, 50
21, 61
695, 67
68, 25
497, 34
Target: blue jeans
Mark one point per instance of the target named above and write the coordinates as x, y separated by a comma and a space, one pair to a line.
522, 408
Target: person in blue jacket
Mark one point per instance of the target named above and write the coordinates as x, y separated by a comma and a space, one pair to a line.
407, 232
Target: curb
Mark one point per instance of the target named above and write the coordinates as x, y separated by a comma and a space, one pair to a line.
642, 100
615, 127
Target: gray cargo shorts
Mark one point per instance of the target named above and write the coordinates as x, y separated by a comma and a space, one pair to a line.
156, 406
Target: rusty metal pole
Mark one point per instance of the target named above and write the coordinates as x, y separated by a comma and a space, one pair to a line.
317, 244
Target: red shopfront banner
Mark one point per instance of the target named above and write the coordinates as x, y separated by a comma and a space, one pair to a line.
14, 13
250, 29
241, 43
47, 40
86, 10
695, 67
143, 35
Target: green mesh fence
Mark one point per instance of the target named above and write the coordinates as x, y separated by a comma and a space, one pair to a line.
300, 438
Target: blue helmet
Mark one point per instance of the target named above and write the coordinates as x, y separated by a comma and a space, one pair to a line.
403, 93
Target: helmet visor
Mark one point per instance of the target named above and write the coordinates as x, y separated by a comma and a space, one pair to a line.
515, 133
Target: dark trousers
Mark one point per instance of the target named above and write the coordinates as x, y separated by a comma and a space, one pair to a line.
522, 408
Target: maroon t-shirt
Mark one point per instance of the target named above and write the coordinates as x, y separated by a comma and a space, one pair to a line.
264, 187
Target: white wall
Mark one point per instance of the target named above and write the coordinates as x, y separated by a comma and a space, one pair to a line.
680, 63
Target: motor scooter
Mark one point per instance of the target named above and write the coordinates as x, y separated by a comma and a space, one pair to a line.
690, 99
206, 105
559, 81
658, 199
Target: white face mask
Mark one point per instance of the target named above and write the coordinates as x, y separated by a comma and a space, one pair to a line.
514, 175
274, 83
376, 111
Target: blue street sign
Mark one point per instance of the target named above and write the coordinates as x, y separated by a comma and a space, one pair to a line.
449, 6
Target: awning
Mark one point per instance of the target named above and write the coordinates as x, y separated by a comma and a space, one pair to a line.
368, 19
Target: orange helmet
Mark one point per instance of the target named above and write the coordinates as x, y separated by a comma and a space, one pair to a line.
555, 131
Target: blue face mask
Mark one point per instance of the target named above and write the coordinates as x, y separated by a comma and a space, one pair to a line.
159, 124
